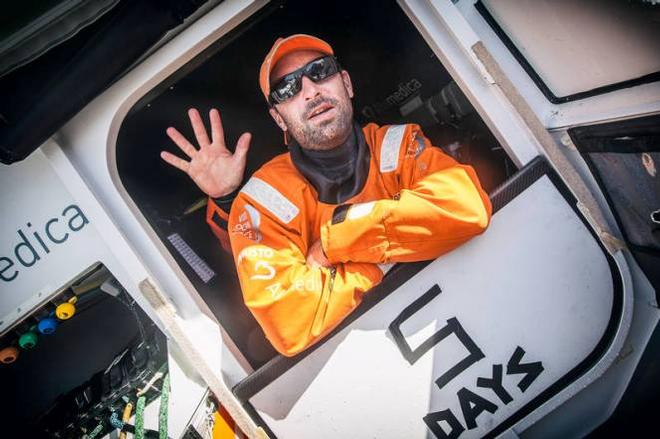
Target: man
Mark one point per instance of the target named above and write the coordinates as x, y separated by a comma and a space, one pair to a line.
316, 227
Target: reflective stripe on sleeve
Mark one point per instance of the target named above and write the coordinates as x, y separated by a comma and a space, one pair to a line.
389, 150
271, 199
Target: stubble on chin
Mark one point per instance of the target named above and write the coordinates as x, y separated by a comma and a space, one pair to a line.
326, 135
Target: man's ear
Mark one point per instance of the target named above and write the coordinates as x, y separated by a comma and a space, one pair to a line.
347, 83
277, 118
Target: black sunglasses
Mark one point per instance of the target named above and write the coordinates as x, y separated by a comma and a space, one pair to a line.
316, 70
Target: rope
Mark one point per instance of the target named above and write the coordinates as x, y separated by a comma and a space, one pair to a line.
98, 429
139, 430
162, 412
139, 417
158, 375
115, 422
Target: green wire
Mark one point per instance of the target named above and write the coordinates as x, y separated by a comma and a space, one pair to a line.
162, 412
139, 417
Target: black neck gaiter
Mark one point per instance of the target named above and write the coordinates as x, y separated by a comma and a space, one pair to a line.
339, 173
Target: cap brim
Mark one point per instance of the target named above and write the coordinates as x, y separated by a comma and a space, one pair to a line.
283, 47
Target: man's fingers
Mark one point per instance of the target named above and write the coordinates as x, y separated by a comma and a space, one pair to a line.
181, 141
175, 161
315, 261
198, 127
217, 131
242, 146
311, 260
315, 256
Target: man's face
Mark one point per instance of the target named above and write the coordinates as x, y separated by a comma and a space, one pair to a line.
320, 116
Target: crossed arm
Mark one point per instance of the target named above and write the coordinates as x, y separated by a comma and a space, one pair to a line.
440, 204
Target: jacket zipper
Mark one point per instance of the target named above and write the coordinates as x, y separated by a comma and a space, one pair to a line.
333, 272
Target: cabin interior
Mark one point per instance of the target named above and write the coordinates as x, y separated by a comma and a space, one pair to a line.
77, 358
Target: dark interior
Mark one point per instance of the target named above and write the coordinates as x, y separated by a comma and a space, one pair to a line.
64, 382
397, 79
622, 156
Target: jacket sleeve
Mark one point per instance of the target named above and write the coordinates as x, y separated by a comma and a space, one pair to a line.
438, 205
294, 304
217, 219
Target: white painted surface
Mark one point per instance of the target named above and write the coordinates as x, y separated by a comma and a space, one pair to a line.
638, 100
578, 46
533, 288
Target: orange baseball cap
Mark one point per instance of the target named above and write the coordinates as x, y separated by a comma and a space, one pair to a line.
284, 46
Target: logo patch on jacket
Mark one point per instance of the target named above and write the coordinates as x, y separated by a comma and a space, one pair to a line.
416, 147
248, 224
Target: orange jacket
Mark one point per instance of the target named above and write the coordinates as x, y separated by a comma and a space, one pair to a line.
416, 204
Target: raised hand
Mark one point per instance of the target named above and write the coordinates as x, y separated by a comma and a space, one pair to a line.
212, 167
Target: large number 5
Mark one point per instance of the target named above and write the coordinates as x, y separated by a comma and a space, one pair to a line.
453, 327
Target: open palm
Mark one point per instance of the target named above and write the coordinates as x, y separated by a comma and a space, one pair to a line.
212, 167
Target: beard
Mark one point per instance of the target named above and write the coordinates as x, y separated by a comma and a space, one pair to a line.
326, 134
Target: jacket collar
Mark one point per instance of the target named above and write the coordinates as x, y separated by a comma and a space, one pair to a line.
337, 174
